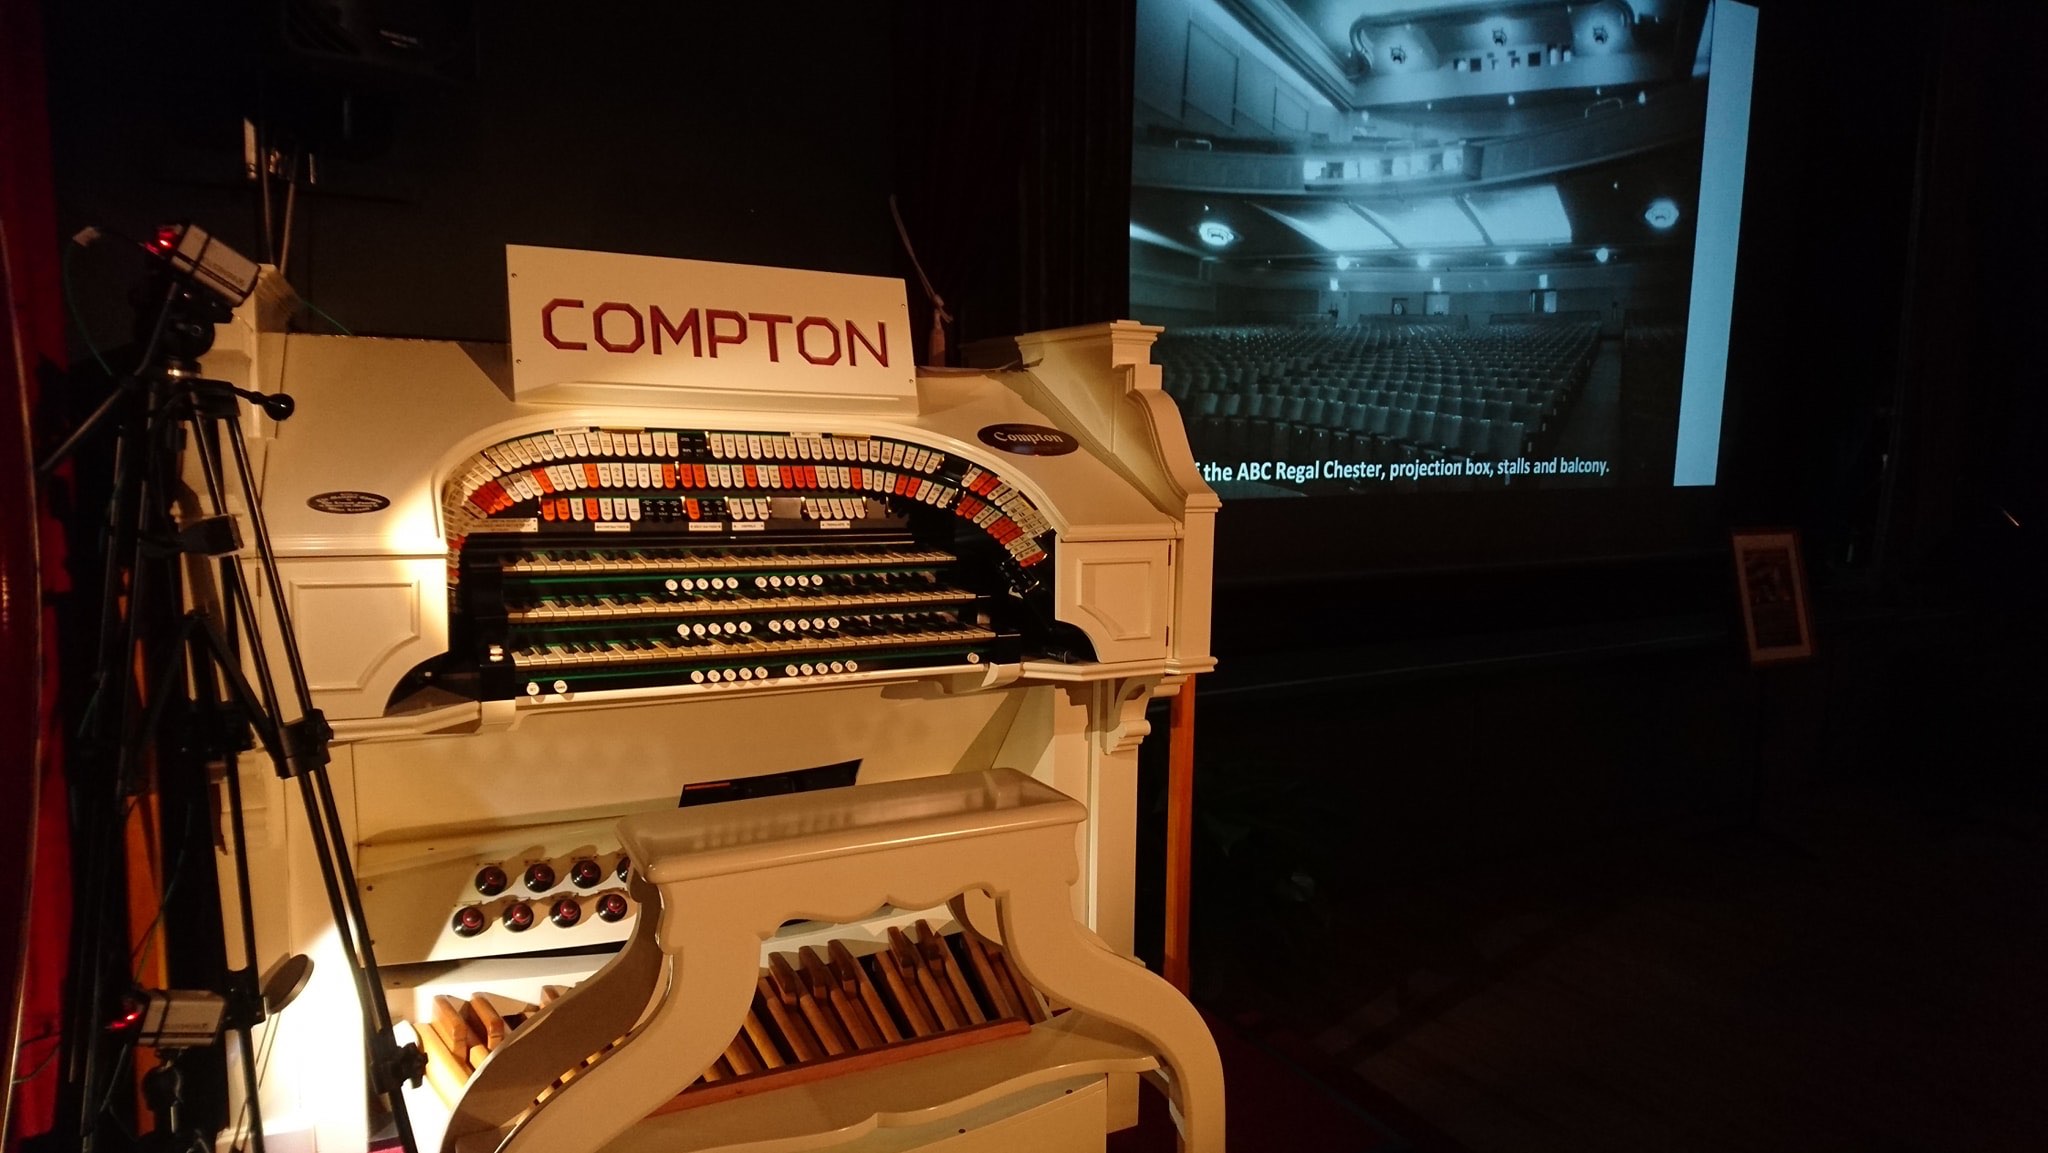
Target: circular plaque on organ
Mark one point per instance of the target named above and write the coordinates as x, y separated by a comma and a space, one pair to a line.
1028, 439
348, 502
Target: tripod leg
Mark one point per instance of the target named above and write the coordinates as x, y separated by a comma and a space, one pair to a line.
205, 647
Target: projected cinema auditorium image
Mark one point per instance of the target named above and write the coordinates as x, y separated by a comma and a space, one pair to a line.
1420, 245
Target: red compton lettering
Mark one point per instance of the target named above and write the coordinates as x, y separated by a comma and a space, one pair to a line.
618, 327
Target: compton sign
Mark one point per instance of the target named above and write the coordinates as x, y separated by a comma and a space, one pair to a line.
583, 318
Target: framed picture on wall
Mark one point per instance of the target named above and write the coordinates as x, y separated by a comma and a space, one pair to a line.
1771, 577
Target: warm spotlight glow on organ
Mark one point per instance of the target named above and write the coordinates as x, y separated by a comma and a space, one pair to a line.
528, 619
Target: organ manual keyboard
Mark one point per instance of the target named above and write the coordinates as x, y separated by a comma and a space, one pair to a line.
533, 607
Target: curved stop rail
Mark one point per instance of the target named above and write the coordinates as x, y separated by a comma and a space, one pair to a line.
716, 881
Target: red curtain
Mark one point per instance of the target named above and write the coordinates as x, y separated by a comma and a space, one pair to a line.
35, 916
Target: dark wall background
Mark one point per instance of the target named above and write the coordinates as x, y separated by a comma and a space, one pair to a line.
759, 134
1488, 677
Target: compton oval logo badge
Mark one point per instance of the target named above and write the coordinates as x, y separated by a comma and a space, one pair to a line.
1028, 439
348, 502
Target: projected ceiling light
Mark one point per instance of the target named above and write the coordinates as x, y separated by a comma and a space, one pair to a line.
1343, 263
1398, 55
1424, 260
1602, 254
1599, 33
1642, 98
1662, 213
1215, 233
1512, 258
1332, 225
1500, 36
1522, 216
1511, 100
1333, 284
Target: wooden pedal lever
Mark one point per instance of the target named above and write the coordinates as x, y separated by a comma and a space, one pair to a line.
794, 992
941, 958
854, 979
848, 1011
935, 994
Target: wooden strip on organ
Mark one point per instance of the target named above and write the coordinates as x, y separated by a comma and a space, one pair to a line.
821, 1016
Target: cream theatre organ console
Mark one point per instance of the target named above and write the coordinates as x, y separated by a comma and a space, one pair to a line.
531, 613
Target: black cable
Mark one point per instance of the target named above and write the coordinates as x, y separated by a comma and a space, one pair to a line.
114, 1082
163, 898
45, 1063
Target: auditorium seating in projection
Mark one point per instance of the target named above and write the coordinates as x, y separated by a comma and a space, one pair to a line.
1425, 234
1383, 393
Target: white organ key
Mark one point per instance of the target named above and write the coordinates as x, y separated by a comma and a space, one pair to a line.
576, 509
632, 508
753, 447
643, 443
